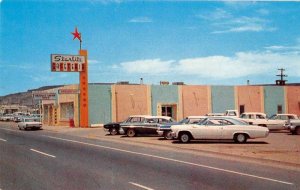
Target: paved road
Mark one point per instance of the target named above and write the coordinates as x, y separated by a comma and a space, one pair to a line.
46, 160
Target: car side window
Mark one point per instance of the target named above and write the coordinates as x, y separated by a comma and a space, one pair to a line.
193, 121
135, 119
260, 117
214, 122
163, 121
226, 122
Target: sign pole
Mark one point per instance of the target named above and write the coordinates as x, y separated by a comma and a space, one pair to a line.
84, 97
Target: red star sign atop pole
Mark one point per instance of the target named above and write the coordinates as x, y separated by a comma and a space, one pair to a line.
77, 35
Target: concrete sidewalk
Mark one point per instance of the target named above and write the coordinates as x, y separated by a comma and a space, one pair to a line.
278, 147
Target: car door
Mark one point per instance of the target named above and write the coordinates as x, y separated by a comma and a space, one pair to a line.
228, 129
212, 129
152, 126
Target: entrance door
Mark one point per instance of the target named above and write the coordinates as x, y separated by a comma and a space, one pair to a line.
242, 109
166, 111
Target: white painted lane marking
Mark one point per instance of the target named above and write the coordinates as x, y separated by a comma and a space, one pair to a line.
141, 186
3, 141
43, 153
174, 160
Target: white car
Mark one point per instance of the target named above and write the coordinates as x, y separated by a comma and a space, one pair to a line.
219, 128
7, 117
260, 119
165, 130
32, 123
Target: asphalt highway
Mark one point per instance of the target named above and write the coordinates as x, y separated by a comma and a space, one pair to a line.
46, 160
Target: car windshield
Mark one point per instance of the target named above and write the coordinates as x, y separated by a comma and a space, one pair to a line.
30, 119
273, 117
184, 121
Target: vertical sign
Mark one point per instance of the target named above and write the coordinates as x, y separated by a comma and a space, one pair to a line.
84, 97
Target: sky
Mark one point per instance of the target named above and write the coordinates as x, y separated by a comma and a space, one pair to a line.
195, 42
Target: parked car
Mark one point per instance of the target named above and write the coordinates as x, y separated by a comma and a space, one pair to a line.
114, 128
214, 114
228, 113
294, 126
144, 125
219, 128
32, 123
165, 130
18, 115
260, 119
7, 117
283, 117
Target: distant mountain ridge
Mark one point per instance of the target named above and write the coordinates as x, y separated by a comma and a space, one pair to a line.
23, 98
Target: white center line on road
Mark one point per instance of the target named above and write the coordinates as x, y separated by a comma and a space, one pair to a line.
141, 186
3, 141
174, 160
43, 153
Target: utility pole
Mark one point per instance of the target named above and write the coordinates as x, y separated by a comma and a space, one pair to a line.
281, 75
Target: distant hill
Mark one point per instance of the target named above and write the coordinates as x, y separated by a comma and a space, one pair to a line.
23, 98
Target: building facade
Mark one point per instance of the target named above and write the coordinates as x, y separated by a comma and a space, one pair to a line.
115, 102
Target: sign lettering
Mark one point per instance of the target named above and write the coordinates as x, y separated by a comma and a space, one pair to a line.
67, 63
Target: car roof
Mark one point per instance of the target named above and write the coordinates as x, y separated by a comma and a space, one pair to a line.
163, 117
196, 117
139, 115
254, 113
151, 116
286, 114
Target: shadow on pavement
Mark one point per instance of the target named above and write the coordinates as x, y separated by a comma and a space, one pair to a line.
218, 142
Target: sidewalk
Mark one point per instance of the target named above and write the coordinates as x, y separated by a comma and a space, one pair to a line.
279, 147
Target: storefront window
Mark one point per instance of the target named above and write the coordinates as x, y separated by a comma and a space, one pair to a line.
66, 110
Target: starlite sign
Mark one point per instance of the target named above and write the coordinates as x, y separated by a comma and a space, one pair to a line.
67, 63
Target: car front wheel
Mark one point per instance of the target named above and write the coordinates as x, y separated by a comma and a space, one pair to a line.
184, 137
131, 133
240, 138
113, 131
168, 135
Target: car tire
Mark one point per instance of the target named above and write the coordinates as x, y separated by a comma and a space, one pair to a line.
168, 135
184, 137
113, 131
240, 138
297, 130
131, 133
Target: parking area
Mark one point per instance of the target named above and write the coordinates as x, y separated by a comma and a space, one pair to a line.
278, 147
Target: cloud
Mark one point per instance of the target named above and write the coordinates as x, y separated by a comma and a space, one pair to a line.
216, 15
141, 20
283, 48
242, 64
225, 22
245, 24
148, 66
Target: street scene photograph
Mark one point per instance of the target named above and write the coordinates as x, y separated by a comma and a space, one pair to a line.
149, 95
